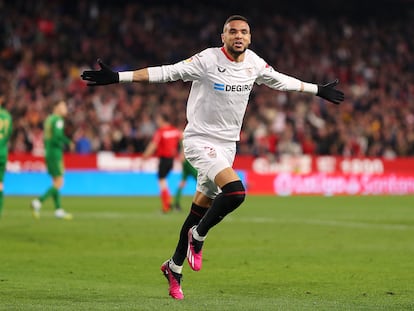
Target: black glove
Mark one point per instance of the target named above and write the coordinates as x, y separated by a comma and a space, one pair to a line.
329, 92
100, 77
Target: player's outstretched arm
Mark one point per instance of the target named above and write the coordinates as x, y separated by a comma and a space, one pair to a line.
103, 76
106, 75
329, 92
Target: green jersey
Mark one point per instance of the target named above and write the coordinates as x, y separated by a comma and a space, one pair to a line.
54, 136
6, 125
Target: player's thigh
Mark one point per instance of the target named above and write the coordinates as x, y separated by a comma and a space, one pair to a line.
58, 181
226, 176
2, 170
55, 166
209, 159
2, 173
202, 200
3, 165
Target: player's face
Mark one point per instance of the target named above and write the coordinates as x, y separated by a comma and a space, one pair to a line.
62, 109
236, 37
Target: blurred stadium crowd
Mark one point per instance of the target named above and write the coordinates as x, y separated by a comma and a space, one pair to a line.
45, 45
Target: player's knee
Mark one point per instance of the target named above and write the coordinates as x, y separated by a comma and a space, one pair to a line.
58, 182
235, 194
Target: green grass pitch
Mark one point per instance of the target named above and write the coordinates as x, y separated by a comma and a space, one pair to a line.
273, 253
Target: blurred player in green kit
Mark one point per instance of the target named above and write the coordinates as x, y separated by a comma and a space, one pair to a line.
187, 171
5, 132
55, 141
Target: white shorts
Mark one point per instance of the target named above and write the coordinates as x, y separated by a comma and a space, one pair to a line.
209, 158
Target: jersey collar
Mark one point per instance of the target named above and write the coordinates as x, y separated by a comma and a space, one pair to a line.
227, 54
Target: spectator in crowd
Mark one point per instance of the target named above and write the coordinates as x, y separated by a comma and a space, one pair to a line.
83, 144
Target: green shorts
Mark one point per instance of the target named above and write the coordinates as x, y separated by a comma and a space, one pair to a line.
188, 170
2, 170
55, 166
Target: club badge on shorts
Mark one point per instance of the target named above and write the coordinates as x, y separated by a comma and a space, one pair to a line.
210, 151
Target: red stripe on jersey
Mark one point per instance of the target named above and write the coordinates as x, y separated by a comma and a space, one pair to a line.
227, 55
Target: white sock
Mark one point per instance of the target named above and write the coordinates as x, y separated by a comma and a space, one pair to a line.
174, 267
197, 236
59, 212
36, 204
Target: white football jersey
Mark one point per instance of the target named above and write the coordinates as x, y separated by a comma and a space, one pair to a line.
220, 90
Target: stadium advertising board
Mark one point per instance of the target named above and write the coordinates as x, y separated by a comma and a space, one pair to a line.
286, 175
331, 175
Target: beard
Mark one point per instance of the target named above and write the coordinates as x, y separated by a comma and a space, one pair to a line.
234, 52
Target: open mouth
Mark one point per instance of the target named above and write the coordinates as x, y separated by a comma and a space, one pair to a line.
238, 44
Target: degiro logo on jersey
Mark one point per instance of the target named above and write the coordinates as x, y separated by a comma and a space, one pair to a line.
233, 88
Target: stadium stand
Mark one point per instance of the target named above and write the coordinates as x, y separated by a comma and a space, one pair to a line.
46, 45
